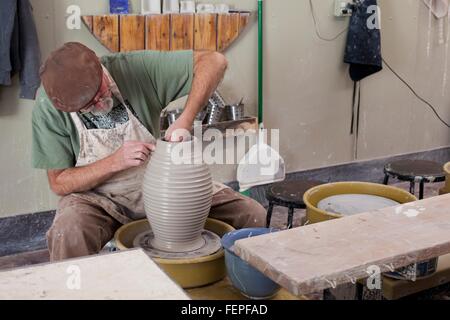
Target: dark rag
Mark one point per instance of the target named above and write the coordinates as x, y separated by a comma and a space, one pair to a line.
19, 46
362, 53
363, 49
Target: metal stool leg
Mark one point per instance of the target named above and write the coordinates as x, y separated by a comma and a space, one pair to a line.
386, 179
412, 187
269, 214
421, 190
290, 217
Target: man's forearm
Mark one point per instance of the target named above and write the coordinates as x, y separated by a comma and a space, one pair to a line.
81, 179
209, 69
130, 154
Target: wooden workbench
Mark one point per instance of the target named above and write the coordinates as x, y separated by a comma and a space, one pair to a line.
125, 275
323, 255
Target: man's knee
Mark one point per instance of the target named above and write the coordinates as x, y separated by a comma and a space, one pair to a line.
255, 214
74, 232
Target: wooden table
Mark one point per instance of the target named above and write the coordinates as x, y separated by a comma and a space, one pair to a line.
320, 256
126, 275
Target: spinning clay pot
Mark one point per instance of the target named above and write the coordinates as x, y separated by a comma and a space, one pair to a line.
177, 192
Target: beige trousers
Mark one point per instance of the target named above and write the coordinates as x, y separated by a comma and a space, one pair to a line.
83, 228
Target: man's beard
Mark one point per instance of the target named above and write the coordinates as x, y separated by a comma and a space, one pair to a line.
106, 106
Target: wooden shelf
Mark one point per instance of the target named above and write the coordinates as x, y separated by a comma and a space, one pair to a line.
167, 32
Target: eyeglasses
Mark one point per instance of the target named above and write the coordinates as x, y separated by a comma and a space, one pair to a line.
99, 98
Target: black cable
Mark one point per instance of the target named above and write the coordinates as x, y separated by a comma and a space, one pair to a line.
417, 96
316, 26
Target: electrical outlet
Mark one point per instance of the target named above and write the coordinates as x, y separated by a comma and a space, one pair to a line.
343, 8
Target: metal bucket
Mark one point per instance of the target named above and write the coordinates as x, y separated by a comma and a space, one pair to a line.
215, 109
173, 115
235, 112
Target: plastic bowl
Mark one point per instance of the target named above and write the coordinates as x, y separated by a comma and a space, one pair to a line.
249, 281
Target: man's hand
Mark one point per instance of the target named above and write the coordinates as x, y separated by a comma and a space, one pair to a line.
131, 154
179, 130
209, 69
81, 179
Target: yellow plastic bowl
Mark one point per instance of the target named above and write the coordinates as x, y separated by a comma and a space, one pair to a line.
314, 195
188, 273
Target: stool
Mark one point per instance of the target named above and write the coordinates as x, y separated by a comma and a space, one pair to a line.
414, 171
288, 194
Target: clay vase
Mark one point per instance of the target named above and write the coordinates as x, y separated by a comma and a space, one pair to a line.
177, 191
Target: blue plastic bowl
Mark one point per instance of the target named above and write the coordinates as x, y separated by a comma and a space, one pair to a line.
248, 280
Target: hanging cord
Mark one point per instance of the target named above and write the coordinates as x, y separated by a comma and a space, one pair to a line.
316, 25
415, 93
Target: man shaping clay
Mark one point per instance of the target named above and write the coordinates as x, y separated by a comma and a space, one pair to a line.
94, 125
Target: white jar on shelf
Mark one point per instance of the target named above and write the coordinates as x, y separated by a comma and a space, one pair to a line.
187, 6
206, 8
171, 6
150, 6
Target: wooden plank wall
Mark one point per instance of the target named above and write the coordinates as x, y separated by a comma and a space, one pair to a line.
182, 32
121, 33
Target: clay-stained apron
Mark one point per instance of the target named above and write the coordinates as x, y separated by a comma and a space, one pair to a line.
120, 196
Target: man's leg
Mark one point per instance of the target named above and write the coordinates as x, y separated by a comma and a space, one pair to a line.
80, 228
237, 210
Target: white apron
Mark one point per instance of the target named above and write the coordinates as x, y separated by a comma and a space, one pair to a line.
120, 196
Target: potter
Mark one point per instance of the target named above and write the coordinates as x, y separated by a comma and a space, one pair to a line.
95, 125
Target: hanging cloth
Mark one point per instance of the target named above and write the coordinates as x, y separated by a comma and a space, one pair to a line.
362, 53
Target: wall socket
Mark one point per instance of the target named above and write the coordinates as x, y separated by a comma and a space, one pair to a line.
343, 8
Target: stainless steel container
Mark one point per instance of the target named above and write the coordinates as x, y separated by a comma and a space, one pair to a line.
173, 115
235, 112
215, 109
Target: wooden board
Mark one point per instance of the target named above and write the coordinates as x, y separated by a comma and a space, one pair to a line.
244, 20
227, 30
158, 32
182, 32
89, 22
132, 33
126, 275
165, 32
323, 255
205, 32
106, 30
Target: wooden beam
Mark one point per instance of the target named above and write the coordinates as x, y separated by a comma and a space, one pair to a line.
132, 33
88, 21
205, 32
182, 32
158, 32
319, 256
106, 30
227, 29
244, 19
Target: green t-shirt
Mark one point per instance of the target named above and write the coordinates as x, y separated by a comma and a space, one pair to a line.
149, 80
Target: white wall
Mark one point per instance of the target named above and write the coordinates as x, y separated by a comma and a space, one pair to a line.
307, 90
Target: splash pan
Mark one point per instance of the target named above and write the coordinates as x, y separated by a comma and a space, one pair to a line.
211, 244
187, 272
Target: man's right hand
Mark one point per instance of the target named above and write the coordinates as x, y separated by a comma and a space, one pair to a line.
131, 154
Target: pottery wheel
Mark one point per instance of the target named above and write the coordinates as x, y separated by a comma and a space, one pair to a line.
211, 246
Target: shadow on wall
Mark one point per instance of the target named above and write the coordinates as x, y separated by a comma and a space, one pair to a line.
9, 98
